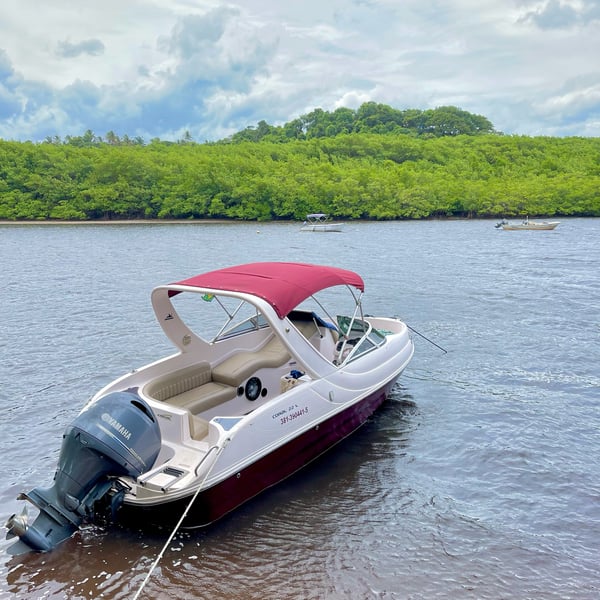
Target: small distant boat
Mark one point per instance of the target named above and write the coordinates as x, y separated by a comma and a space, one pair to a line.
320, 222
527, 224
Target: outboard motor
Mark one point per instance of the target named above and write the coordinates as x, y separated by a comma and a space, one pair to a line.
116, 435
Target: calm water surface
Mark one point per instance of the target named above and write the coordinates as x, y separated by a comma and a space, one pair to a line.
478, 479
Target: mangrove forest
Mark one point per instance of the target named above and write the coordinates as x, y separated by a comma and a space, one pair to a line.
373, 163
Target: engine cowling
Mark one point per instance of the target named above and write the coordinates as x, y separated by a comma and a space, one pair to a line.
114, 436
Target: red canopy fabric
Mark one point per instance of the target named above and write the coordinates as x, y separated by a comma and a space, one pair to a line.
282, 284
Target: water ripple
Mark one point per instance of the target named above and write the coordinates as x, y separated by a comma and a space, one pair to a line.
477, 480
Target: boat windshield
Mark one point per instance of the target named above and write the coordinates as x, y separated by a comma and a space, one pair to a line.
317, 218
214, 317
358, 337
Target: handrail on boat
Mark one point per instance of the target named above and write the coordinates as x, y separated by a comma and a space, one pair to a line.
215, 447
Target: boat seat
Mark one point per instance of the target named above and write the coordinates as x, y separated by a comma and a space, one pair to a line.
306, 328
197, 388
178, 382
191, 388
236, 369
324, 339
205, 396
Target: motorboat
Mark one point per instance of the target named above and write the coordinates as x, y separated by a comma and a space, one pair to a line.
271, 369
527, 224
321, 222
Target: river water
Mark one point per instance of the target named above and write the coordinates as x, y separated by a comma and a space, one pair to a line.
478, 479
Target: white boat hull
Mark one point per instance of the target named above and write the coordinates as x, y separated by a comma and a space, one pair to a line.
232, 412
336, 227
219, 498
320, 222
529, 226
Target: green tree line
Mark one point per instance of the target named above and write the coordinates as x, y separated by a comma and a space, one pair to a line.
371, 117
350, 175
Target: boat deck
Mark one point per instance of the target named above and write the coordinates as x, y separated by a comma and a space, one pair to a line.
223, 390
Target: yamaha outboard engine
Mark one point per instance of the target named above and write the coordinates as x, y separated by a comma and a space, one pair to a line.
116, 435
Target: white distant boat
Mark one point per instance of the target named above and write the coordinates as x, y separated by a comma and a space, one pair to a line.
320, 222
527, 224
266, 377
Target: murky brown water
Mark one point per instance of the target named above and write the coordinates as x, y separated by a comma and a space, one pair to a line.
478, 479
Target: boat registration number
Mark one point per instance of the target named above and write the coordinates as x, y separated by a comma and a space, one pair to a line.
292, 413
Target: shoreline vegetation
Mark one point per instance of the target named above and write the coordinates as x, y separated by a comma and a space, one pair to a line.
372, 164
123, 222
101, 222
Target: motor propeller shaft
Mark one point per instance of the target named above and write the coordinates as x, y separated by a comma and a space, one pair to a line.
17, 525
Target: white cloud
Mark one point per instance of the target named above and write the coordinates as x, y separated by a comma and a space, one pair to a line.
158, 67
578, 97
562, 14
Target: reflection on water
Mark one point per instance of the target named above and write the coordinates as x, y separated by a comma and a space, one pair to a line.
478, 479
290, 537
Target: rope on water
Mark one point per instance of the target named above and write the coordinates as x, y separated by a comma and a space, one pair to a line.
427, 339
183, 516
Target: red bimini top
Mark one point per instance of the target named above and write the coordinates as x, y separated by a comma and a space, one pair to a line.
282, 284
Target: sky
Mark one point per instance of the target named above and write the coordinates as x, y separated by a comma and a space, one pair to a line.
167, 68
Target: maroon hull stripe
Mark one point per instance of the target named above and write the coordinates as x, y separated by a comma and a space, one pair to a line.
222, 498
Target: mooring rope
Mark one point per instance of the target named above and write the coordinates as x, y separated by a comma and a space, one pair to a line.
178, 525
427, 339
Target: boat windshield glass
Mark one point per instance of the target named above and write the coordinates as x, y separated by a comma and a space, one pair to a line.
214, 317
358, 337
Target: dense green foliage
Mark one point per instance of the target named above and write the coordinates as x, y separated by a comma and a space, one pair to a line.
371, 118
349, 175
